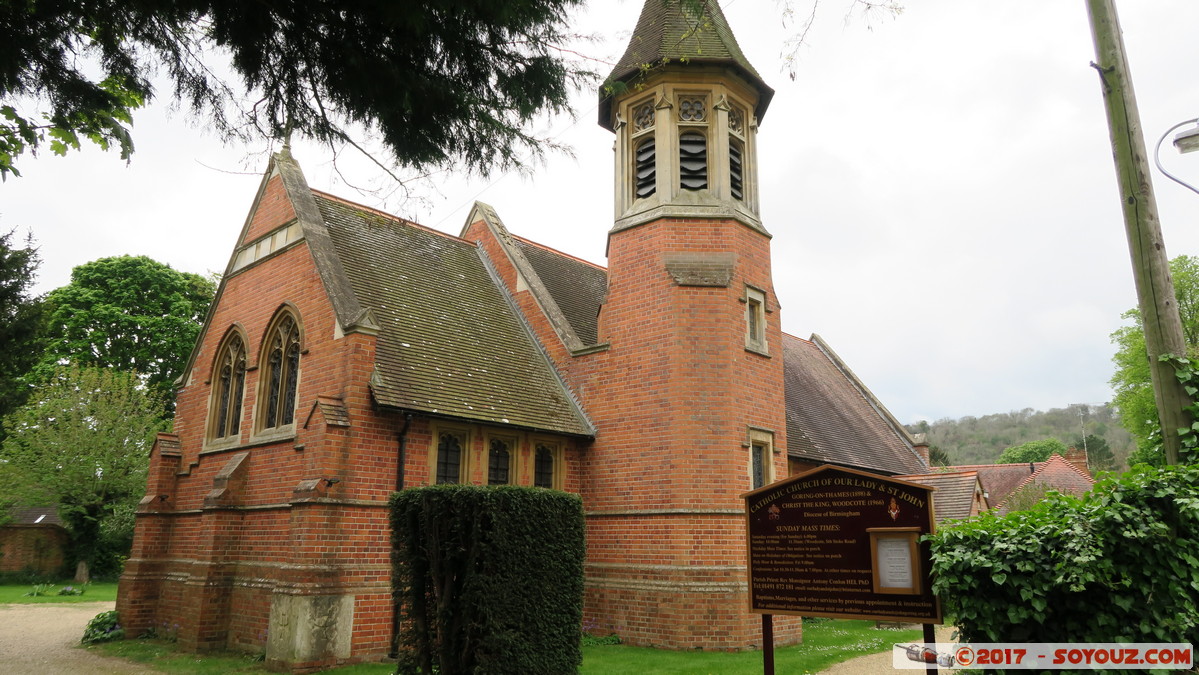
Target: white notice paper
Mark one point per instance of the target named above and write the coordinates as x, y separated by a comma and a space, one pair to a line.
894, 562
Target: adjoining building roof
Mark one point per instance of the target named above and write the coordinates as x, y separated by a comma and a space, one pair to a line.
833, 418
577, 286
954, 497
35, 515
682, 31
1002, 481
998, 479
1055, 473
450, 343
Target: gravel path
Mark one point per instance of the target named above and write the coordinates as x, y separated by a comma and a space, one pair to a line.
44, 640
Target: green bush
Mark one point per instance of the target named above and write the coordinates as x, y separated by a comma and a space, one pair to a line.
1119, 565
490, 579
104, 627
73, 590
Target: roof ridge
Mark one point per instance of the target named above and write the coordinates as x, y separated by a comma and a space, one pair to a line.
558, 252
1075, 469
993, 464
796, 337
391, 216
940, 474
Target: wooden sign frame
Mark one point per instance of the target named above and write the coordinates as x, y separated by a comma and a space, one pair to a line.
908, 536
810, 551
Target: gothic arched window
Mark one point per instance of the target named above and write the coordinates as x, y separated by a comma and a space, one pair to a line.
230, 388
282, 372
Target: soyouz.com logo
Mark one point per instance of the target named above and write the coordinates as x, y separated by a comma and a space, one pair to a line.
1044, 655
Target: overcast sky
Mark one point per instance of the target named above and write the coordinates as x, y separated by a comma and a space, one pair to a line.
939, 186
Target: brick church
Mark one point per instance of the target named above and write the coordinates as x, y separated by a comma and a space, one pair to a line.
349, 354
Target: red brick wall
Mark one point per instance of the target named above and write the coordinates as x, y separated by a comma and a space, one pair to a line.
212, 568
273, 210
38, 548
672, 398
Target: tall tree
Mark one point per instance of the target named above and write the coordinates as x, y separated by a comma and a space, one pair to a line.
938, 456
1134, 398
437, 82
20, 314
1099, 454
82, 442
129, 313
1032, 451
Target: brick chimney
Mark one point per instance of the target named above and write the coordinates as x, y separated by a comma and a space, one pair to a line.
1078, 457
920, 445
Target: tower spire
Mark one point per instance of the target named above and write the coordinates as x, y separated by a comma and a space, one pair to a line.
684, 103
679, 32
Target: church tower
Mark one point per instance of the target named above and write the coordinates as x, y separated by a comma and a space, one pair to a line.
689, 402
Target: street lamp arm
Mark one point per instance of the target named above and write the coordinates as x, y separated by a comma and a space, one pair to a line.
1157, 150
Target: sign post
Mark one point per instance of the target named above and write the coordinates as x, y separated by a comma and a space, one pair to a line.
840, 543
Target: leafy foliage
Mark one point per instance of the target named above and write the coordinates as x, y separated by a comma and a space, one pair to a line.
1119, 565
1187, 372
129, 313
937, 456
82, 442
39, 590
104, 627
490, 579
1131, 380
20, 316
1032, 451
434, 81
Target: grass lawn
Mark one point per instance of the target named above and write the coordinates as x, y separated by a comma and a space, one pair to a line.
101, 591
162, 656
825, 643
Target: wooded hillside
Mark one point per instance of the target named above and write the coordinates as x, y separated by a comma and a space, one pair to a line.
980, 440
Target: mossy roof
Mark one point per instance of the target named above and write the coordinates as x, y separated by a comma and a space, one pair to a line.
450, 343
681, 32
576, 286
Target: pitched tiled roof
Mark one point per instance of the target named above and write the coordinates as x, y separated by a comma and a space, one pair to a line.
954, 495
577, 287
998, 479
673, 30
1054, 473
450, 344
35, 515
832, 418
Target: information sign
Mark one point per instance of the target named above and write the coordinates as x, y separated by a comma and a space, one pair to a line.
841, 543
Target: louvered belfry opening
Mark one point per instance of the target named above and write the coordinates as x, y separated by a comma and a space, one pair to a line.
646, 169
736, 180
693, 160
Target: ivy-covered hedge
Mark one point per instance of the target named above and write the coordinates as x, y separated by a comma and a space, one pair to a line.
490, 579
1119, 565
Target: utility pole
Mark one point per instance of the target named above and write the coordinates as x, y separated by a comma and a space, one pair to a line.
1150, 265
